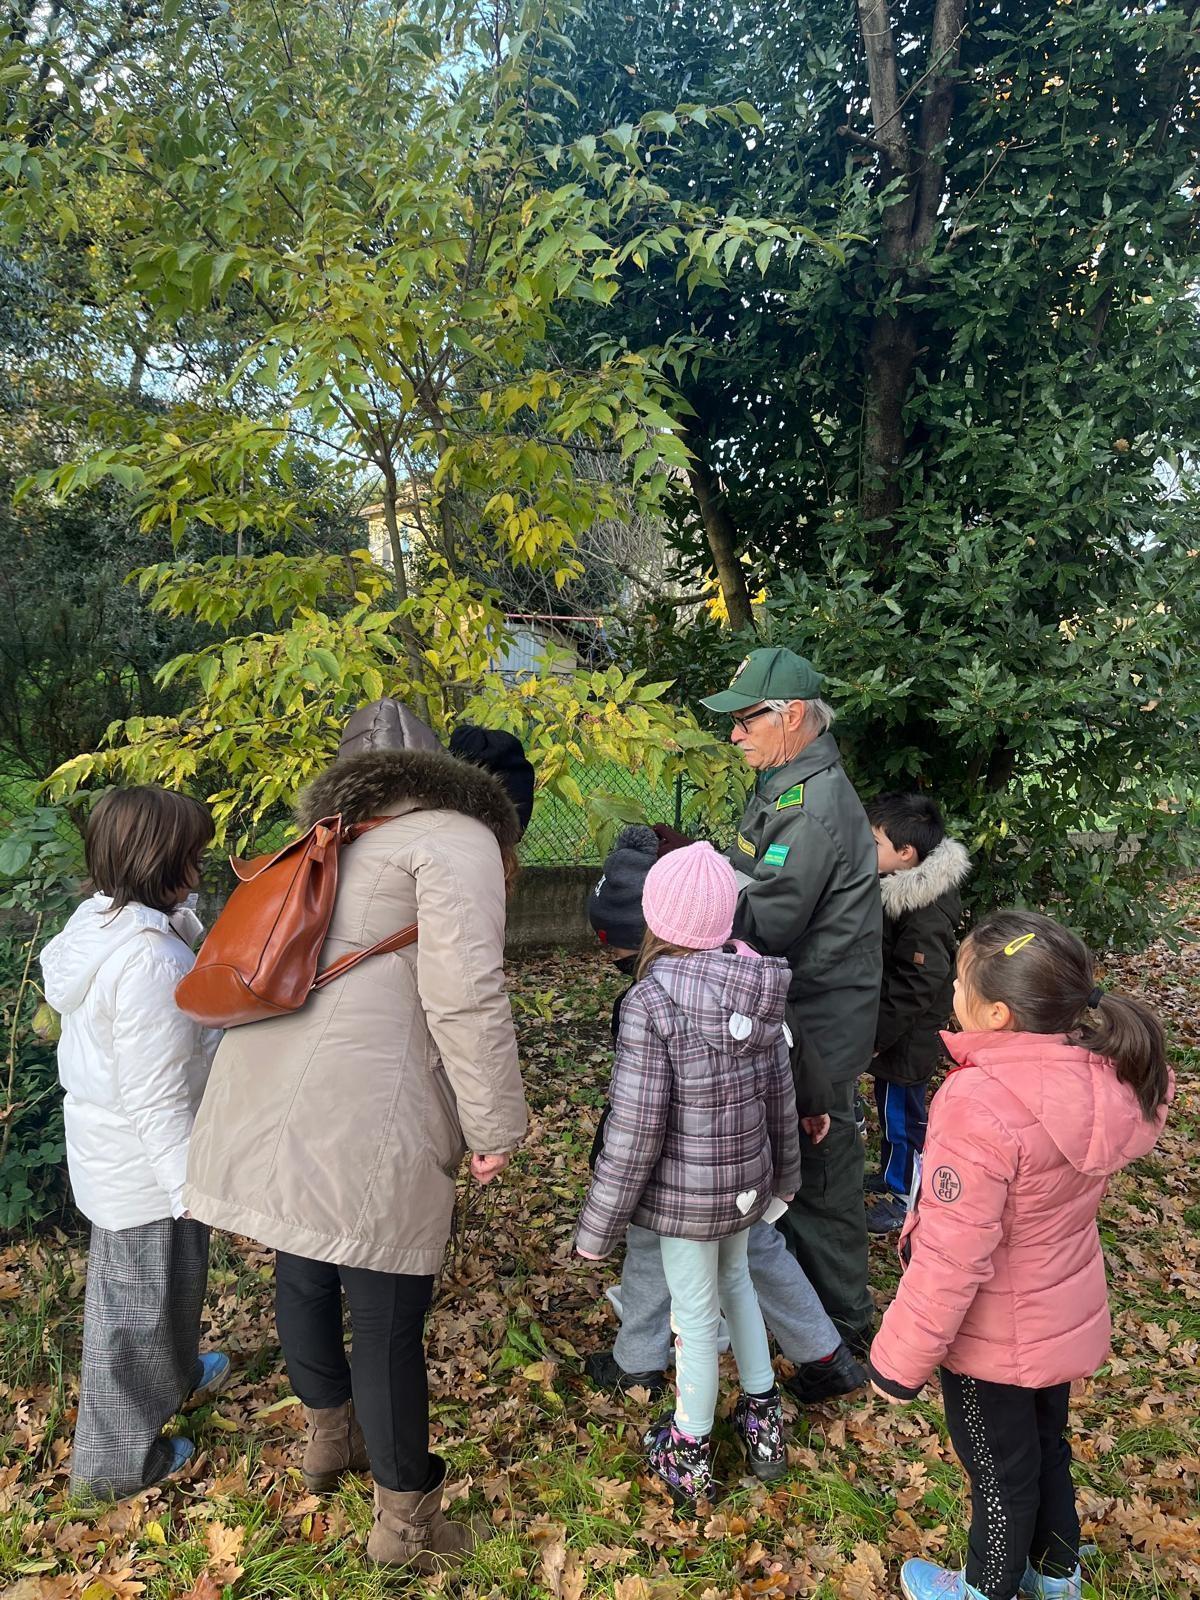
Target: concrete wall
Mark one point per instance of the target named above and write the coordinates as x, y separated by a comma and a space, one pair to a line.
548, 908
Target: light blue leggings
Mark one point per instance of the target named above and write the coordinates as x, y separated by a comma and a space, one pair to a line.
707, 1278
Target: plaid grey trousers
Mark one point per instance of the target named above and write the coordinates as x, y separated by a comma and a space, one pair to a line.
141, 1337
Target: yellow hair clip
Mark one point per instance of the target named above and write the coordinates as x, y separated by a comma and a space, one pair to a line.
1011, 948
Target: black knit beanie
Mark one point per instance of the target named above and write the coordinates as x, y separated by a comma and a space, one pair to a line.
615, 904
501, 754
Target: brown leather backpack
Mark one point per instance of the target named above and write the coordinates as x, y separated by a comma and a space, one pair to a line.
260, 957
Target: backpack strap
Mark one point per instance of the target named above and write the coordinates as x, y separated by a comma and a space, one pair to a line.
384, 947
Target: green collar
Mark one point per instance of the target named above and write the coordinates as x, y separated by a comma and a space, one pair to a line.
816, 757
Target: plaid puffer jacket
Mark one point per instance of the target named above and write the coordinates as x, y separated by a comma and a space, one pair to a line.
703, 1130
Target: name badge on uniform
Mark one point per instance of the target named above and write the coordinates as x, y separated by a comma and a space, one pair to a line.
776, 854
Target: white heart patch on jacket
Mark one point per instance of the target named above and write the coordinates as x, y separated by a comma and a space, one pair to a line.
746, 1199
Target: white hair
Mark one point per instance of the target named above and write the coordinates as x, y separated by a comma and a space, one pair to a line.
820, 712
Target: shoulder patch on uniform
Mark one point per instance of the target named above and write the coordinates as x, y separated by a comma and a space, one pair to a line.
776, 854
745, 846
790, 797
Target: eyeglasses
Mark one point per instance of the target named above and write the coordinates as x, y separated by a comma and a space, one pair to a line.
743, 722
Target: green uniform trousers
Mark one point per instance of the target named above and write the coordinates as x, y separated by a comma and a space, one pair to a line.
826, 1224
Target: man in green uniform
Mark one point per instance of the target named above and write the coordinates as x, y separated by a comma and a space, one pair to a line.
807, 863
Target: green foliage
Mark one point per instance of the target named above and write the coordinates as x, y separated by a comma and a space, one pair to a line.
381, 207
381, 199
452, 267
1016, 630
32, 1144
264, 709
40, 867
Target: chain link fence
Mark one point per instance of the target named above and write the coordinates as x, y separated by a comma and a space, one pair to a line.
559, 834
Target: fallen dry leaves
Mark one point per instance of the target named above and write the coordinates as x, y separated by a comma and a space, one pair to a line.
542, 1457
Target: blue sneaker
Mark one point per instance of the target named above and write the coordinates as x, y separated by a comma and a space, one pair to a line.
212, 1373
925, 1580
1040, 1586
888, 1214
182, 1451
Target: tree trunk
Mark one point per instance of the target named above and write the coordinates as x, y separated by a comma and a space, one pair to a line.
720, 533
908, 230
890, 357
404, 626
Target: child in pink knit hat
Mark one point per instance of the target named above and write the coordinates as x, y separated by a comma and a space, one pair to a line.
702, 1140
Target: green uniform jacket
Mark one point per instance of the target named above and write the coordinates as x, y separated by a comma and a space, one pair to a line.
813, 897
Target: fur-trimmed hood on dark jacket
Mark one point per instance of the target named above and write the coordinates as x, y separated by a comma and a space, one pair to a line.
922, 910
360, 787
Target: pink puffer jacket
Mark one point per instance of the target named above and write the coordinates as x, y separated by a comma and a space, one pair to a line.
1005, 1275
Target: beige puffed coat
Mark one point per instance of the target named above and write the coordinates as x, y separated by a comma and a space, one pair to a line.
337, 1132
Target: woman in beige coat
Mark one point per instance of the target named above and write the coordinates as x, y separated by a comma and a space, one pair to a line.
335, 1134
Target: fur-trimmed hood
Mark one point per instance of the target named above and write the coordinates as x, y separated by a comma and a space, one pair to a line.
945, 867
364, 786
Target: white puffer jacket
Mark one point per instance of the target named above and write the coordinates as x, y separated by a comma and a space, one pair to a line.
134, 1067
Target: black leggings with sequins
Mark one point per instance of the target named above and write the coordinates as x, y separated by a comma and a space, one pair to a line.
1012, 1442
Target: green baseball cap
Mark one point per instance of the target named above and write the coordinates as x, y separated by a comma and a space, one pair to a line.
768, 675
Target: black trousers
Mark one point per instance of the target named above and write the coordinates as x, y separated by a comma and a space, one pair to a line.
386, 1372
1011, 1442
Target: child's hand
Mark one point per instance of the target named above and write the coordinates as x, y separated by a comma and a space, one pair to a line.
485, 1168
816, 1127
587, 1254
892, 1399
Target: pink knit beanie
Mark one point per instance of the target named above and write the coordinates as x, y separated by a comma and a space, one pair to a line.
689, 897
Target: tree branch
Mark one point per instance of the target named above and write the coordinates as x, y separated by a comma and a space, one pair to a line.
937, 109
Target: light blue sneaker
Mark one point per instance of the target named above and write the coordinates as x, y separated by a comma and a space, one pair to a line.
925, 1580
1038, 1586
212, 1373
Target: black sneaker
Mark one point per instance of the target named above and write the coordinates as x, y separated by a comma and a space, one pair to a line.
815, 1381
888, 1214
758, 1423
603, 1372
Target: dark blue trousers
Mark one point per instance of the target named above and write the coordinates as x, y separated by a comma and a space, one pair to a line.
902, 1123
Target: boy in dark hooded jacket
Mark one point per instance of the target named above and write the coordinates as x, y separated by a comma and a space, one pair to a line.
921, 869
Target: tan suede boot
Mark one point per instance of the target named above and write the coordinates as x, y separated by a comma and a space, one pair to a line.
334, 1447
411, 1530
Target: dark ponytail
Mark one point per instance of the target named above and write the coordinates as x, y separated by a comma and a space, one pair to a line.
1044, 975
1131, 1036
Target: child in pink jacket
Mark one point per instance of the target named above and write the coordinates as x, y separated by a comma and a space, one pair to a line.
1057, 1086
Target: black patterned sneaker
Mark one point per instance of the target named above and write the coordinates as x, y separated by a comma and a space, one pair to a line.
758, 1423
683, 1464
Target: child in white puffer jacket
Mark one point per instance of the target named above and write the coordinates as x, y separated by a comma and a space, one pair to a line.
134, 1068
